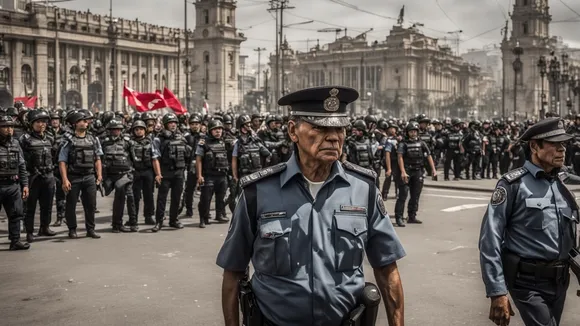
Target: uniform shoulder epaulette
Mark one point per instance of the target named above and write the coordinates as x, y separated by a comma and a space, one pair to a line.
256, 176
127, 138
515, 174
359, 169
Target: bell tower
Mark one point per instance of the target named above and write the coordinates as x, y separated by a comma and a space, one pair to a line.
529, 40
216, 53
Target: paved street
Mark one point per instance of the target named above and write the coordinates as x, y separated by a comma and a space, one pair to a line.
170, 278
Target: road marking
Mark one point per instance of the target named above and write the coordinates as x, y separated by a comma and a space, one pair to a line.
459, 197
462, 207
452, 190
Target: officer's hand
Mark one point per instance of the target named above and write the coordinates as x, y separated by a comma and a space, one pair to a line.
66, 186
158, 179
24, 192
501, 310
434, 175
200, 180
405, 177
235, 180
389, 172
99, 179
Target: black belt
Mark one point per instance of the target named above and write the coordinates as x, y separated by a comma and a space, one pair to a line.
555, 270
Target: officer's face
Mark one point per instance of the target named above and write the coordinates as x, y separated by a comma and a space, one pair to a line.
82, 125
549, 155
245, 128
7, 131
171, 126
217, 132
115, 132
256, 123
412, 134
55, 123
194, 126
228, 126
139, 132
39, 126
323, 144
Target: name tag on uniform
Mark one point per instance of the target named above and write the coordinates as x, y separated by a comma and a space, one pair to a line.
355, 209
273, 215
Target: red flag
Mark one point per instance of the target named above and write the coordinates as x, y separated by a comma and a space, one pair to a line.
150, 101
130, 95
173, 102
29, 102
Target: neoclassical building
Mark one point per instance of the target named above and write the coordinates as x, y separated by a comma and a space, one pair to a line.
66, 57
407, 74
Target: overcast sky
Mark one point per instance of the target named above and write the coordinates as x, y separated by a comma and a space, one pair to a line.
480, 20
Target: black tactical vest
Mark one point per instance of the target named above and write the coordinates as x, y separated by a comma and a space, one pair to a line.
142, 153
493, 142
173, 151
474, 143
363, 153
81, 156
215, 159
413, 157
394, 155
39, 156
116, 155
454, 140
426, 138
249, 159
9, 155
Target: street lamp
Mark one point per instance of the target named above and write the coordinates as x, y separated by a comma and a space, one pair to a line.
542, 65
112, 30
517, 65
554, 77
576, 91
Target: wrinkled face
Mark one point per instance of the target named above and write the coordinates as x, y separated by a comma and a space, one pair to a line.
139, 132
171, 126
217, 132
550, 154
6, 131
323, 144
39, 126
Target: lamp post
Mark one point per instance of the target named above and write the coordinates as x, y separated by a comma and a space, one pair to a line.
576, 92
542, 65
517, 65
554, 77
112, 32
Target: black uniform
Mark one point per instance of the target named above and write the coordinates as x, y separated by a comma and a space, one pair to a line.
143, 177
427, 138
191, 183
492, 153
274, 141
395, 176
473, 146
414, 153
215, 168
59, 194
453, 155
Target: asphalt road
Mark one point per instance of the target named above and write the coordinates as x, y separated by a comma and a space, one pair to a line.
170, 278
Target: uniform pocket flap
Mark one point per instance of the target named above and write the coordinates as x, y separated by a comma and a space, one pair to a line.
538, 203
568, 213
274, 228
355, 225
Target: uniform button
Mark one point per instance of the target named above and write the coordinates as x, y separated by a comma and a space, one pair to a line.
355, 230
539, 204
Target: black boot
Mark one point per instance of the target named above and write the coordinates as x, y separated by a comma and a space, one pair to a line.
17, 245
46, 231
120, 228
134, 228
58, 222
222, 218
149, 220
176, 225
158, 226
93, 234
72, 233
202, 223
400, 222
414, 220
30, 237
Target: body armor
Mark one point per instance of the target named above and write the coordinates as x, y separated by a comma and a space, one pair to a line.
116, 156
425, 136
142, 153
193, 140
9, 154
215, 159
363, 153
39, 156
474, 143
413, 157
174, 151
81, 157
394, 156
249, 159
454, 140
493, 143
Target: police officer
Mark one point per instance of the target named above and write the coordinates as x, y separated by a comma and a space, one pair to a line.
273, 138
212, 169
13, 181
358, 146
192, 137
412, 154
143, 175
247, 157
304, 228
79, 161
393, 173
528, 231
454, 151
170, 156
473, 144
118, 176
37, 147
426, 137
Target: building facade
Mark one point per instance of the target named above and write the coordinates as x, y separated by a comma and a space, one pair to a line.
70, 58
216, 59
407, 74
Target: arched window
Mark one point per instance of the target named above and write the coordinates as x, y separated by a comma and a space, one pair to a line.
98, 75
51, 78
144, 84
26, 73
74, 78
5, 78
135, 81
206, 57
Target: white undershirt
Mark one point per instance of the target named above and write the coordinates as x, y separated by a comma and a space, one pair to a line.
314, 187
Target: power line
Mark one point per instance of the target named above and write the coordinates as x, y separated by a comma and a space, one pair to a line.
258, 24
570, 8
351, 6
446, 15
505, 16
481, 34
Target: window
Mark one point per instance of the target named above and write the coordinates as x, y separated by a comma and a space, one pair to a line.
135, 81
50, 82
22, 5
144, 84
26, 73
144, 62
155, 62
74, 81
98, 75
27, 49
5, 78
165, 62
206, 57
206, 17
163, 81
62, 51
232, 62
134, 60
228, 20
525, 28
73, 52
124, 58
155, 82
98, 55
50, 50
86, 53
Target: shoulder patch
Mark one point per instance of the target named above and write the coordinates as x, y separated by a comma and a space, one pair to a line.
381, 203
514, 175
498, 196
254, 177
359, 169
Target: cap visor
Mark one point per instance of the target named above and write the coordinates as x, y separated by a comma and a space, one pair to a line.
328, 121
559, 138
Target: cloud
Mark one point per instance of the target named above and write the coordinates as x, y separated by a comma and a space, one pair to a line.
480, 20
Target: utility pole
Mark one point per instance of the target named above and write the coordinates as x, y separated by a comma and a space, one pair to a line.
187, 63
279, 5
259, 50
503, 78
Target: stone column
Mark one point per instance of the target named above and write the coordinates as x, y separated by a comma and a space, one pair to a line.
118, 86
41, 72
105, 69
17, 87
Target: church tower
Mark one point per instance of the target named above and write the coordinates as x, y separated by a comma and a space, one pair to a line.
216, 53
531, 33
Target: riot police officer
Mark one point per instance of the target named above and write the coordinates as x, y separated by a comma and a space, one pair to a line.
473, 144
492, 153
454, 151
170, 156
143, 176
393, 173
118, 176
192, 137
13, 178
151, 121
273, 138
37, 147
79, 160
212, 169
247, 156
412, 153
426, 137
359, 149
57, 131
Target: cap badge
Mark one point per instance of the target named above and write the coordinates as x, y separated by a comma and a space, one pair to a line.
332, 103
560, 124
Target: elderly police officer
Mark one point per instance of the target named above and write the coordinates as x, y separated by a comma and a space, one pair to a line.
528, 230
306, 223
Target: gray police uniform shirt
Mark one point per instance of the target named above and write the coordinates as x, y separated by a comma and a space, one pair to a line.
66, 145
307, 252
530, 216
